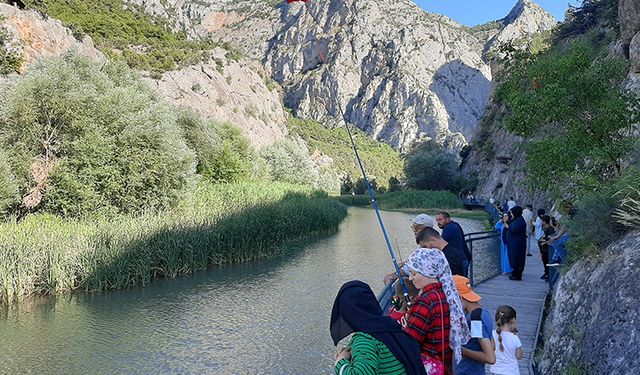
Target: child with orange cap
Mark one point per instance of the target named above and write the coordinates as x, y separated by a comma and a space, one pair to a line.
480, 350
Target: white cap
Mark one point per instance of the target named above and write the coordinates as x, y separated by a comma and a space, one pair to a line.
424, 220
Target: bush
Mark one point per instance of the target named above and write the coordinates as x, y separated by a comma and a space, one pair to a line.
90, 139
289, 162
406, 199
223, 153
429, 167
8, 188
10, 57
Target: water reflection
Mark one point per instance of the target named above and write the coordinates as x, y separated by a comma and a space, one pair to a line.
266, 317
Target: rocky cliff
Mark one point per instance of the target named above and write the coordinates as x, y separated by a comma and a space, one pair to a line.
592, 327
390, 68
497, 157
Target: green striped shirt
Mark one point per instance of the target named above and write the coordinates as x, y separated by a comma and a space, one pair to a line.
369, 357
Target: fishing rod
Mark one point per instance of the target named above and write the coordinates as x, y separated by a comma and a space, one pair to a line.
405, 292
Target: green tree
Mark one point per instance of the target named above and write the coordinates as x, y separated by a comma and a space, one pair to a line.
92, 138
224, 154
429, 167
568, 102
289, 162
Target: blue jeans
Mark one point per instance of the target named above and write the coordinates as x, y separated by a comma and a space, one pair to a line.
465, 268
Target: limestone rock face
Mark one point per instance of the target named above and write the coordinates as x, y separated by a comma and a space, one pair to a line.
228, 90
526, 18
390, 68
629, 18
594, 317
247, 25
40, 37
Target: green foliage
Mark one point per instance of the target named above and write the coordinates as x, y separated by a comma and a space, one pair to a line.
628, 213
223, 153
8, 187
101, 140
429, 167
379, 159
291, 163
10, 56
603, 215
406, 199
126, 33
569, 100
214, 225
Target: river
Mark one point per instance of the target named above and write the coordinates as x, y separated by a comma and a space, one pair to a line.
269, 317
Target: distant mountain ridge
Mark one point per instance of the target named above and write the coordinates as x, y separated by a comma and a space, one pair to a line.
394, 70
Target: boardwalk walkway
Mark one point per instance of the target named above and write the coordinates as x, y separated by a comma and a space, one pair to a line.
526, 296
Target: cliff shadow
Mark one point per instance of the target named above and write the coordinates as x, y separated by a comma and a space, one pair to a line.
464, 91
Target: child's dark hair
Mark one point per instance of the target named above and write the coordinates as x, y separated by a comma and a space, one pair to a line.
504, 314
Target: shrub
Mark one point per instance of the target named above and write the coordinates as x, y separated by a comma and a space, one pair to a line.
224, 154
429, 167
92, 139
8, 187
290, 162
10, 56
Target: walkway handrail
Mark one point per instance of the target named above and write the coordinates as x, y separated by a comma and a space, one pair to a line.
493, 231
470, 241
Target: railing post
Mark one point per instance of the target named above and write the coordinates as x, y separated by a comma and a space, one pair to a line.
471, 263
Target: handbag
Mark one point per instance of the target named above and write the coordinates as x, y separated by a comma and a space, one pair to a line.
434, 366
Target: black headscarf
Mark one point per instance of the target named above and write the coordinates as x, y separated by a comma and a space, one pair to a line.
516, 211
356, 309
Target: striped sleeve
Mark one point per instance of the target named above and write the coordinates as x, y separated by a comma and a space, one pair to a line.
364, 357
369, 357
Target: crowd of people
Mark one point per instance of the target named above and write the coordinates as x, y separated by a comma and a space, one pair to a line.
443, 329
519, 227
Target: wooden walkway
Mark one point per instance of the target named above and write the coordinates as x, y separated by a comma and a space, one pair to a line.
526, 296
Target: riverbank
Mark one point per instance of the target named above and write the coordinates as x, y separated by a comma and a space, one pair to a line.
415, 201
216, 224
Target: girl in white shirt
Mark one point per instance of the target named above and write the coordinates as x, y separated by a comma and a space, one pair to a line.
508, 346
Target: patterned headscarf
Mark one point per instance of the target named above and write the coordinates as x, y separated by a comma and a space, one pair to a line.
432, 263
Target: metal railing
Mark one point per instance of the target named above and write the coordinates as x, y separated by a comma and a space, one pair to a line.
485, 249
487, 244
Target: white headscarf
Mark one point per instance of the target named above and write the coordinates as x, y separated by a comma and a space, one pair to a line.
432, 263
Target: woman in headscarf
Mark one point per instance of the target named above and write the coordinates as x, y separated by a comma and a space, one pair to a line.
516, 242
436, 320
505, 262
378, 344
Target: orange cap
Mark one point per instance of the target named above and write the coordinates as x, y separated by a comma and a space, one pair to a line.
465, 291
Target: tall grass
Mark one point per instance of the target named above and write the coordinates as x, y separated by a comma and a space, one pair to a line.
405, 199
213, 226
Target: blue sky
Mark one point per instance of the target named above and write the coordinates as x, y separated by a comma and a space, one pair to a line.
476, 12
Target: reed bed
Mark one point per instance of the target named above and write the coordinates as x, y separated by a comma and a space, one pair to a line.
419, 199
215, 225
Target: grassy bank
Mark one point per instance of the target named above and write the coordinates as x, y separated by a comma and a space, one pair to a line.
417, 199
216, 225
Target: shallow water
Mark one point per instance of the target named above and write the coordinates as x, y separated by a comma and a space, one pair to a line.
269, 317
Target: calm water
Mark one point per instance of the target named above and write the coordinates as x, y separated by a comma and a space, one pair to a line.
270, 317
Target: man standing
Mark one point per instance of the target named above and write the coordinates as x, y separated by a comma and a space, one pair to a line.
452, 233
527, 215
431, 239
417, 223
